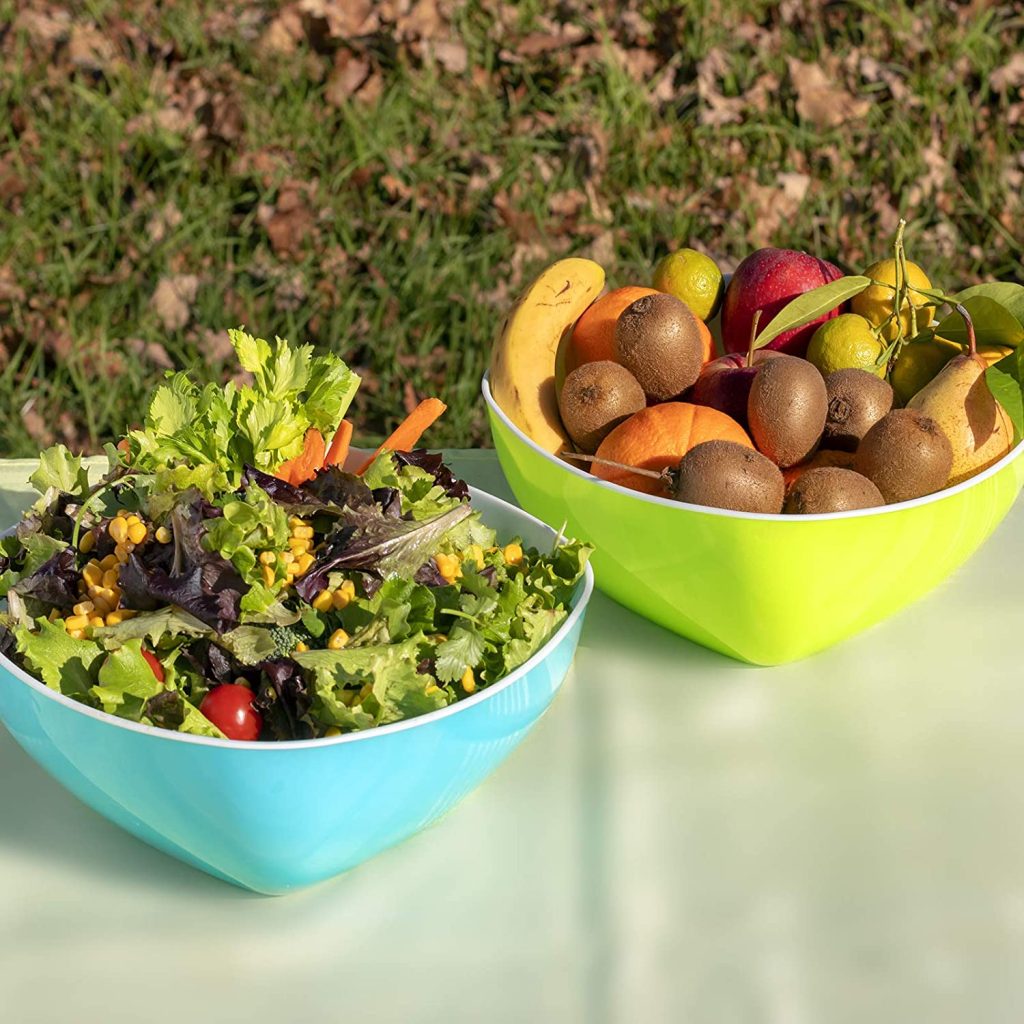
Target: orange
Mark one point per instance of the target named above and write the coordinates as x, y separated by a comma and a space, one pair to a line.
593, 337
658, 437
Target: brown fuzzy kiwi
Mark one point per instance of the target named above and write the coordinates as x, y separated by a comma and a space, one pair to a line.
857, 400
906, 455
831, 489
724, 474
786, 409
597, 397
657, 339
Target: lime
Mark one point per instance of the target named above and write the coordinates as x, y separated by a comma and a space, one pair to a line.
918, 364
693, 277
846, 342
875, 302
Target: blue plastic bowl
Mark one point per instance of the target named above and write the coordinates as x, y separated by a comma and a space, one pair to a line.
274, 817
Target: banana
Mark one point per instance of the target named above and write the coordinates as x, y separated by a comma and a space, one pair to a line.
523, 358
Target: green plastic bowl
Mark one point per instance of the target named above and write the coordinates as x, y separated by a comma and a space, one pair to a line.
766, 589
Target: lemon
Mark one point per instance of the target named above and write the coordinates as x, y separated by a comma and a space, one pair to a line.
846, 342
693, 277
875, 302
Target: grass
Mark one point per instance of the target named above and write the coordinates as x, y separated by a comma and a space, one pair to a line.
432, 203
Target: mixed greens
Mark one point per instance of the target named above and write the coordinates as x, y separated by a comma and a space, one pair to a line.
227, 577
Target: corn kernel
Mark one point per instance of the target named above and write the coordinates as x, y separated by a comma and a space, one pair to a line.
340, 599
332, 730
116, 617
96, 621
267, 558
468, 681
294, 521
132, 520
303, 531
163, 535
476, 553
323, 602
54, 615
110, 562
122, 553
88, 542
300, 647
137, 533
513, 553
448, 566
76, 622
287, 558
432, 688
297, 545
93, 574
118, 529
103, 594
268, 576
111, 578
337, 640
348, 588
83, 608
76, 634
304, 563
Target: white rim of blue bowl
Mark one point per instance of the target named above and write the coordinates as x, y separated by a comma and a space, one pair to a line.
583, 595
725, 513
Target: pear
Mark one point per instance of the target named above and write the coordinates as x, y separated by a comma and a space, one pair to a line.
961, 403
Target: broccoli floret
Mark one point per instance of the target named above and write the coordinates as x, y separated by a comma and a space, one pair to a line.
287, 638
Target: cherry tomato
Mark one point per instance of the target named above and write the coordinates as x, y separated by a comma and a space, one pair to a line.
154, 664
229, 707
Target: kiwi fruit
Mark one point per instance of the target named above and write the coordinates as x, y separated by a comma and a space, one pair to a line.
905, 455
830, 489
786, 409
857, 400
657, 339
596, 398
723, 474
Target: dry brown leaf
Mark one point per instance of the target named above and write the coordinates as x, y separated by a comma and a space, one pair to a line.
774, 204
165, 220
348, 76
45, 28
938, 173
173, 298
151, 351
36, 424
90, 49
284, 32
10, 290
1010, 75
537, 43
341, 19
819, 99
215, 346
717, 109
291, 223
449, 53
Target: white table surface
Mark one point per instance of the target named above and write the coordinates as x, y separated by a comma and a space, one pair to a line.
681, 838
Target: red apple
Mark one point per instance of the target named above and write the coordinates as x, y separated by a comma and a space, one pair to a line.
767, 279
724, 383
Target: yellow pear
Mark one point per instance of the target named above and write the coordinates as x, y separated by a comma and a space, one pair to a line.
961, 403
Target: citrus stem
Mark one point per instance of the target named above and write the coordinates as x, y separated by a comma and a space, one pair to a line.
653, 474
753, 337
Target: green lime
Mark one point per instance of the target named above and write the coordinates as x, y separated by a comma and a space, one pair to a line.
918, 364
693, 277
846, 342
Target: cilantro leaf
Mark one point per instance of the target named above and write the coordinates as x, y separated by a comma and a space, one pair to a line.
463, 649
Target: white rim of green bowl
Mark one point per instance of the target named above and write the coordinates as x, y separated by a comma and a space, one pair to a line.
771, 517
583, 595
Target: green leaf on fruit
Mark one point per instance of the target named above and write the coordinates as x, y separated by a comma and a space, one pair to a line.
1004, 381
994, 324
1007, 293
806, 308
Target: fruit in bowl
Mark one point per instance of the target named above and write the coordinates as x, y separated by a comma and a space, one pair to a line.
697, 535
231, 585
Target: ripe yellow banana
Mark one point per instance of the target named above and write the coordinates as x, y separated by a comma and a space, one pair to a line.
523, 359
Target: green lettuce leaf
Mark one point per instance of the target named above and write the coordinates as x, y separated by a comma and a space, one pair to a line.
62, 662
126, 681
61, 470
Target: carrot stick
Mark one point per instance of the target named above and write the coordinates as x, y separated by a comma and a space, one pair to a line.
304, 466
338, 451
404, 437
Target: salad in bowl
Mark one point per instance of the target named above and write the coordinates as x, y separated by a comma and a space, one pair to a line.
239, 572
